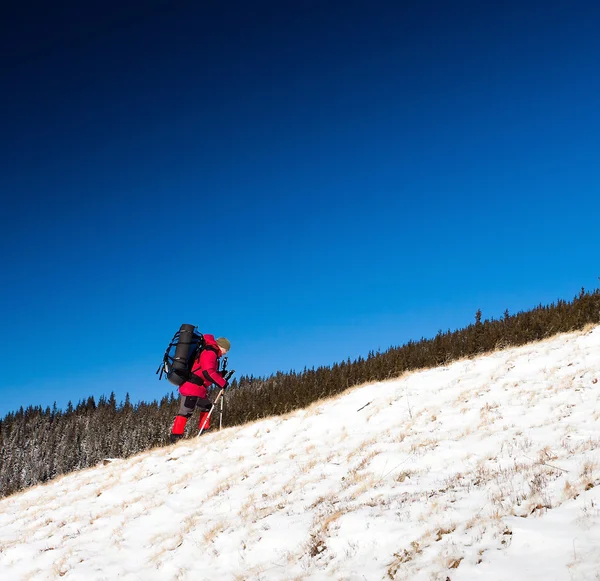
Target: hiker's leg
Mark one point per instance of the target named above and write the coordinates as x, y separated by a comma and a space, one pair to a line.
187, 404
204, 406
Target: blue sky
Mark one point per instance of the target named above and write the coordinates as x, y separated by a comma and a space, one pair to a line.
313, 180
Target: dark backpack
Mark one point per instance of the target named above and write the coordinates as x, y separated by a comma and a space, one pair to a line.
180, 355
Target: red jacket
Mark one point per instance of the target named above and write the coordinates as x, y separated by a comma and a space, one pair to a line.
206, 367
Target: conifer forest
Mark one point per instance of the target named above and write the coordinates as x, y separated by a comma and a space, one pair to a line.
39, 444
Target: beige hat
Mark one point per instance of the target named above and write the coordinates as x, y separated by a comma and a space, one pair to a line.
223, 343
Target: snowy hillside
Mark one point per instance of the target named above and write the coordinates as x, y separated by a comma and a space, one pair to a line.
486, 469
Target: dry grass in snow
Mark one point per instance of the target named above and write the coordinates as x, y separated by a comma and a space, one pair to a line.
484, 469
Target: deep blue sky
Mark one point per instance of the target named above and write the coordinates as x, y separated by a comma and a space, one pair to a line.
311, 179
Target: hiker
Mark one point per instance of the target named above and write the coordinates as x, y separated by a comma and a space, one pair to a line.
193, 395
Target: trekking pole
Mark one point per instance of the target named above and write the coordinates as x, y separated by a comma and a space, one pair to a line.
210, 413
221, 414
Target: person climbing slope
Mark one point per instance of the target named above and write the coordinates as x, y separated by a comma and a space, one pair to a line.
205, 372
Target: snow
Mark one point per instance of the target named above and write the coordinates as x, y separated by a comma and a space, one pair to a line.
487, 468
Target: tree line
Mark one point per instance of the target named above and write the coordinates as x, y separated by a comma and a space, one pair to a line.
39, 444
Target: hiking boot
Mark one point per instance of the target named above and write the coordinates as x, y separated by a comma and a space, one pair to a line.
174, 438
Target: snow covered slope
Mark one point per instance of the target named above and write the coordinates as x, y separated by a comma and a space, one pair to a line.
486, 469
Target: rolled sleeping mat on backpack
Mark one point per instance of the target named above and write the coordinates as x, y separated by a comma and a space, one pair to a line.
183, 349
